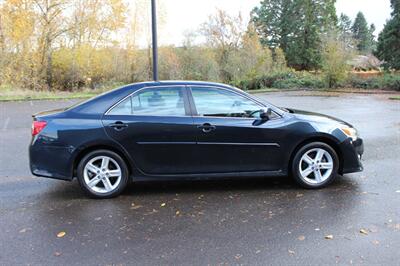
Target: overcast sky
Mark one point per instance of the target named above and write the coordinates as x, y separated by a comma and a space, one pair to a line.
187, 15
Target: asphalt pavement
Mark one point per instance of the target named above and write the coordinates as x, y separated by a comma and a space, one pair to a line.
264, 221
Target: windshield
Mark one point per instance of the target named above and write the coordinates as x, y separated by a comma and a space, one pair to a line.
259, 99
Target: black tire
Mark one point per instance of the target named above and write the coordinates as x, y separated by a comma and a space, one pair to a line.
104, 195
296, 164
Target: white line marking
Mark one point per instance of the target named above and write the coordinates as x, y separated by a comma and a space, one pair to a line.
6, 123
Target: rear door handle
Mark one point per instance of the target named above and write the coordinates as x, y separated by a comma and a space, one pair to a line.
118, 126
207, 127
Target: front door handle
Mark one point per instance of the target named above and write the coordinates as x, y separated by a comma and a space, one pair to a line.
118, 126
207, 128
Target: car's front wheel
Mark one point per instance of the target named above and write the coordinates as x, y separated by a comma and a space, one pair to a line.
315, 165
102, 174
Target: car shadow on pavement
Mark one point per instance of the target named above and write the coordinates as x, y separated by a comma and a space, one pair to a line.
241, 184
71, 190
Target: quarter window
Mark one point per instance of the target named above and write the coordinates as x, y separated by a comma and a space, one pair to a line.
154, 102
223, 103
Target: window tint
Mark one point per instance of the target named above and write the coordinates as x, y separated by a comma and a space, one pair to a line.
223, 103
156, 102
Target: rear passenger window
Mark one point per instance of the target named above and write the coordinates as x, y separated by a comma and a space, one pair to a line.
153, 102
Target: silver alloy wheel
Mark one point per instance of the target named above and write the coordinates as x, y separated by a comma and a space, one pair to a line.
102, 174
316, 165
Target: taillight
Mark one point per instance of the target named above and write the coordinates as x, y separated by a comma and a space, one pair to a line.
38, 126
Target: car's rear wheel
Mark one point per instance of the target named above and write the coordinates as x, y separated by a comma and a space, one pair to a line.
315, 165
102, 174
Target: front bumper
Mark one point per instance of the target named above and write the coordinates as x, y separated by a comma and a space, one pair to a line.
352, 152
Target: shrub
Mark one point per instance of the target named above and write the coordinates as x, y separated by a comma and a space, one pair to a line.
387, 81
283, 80
391, 82
301, 80
335, 57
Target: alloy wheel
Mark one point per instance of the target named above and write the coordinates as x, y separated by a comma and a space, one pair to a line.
316, 166
102, 174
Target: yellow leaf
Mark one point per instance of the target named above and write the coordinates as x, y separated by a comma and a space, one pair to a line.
301, 238
61, 234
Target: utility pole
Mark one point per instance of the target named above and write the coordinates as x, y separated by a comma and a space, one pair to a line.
154, 35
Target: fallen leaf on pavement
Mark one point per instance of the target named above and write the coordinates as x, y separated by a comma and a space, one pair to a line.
329, 237
363, 231
177, 212
61, 234
301, 238
163, 204
238, 256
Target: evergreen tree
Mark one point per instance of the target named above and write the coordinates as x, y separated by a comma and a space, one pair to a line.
372, 41
297, 27
345, 32
388, 48
345, 25
362, 34
273, 21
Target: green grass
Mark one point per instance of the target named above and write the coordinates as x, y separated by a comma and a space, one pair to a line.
262, 90
46, 96
10, 94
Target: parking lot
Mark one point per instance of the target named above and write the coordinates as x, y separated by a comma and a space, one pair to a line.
356, 220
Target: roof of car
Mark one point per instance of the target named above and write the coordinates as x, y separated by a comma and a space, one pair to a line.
100, 103
177, 82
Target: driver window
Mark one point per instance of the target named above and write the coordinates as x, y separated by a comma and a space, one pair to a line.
223, 103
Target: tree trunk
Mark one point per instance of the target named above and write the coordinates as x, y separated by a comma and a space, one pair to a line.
49, 65
2, 48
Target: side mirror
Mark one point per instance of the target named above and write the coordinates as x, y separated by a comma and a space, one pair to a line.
265, 114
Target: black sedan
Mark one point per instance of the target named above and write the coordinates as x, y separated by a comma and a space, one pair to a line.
188, 130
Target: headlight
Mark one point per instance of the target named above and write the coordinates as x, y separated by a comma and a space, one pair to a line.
350, 132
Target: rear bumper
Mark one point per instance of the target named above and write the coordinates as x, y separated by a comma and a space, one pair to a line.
50, 161
352, 152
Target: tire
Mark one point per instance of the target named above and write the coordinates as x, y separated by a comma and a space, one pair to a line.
315, 165
102, 174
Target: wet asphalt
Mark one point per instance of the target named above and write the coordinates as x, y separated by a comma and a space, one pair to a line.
242, 221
